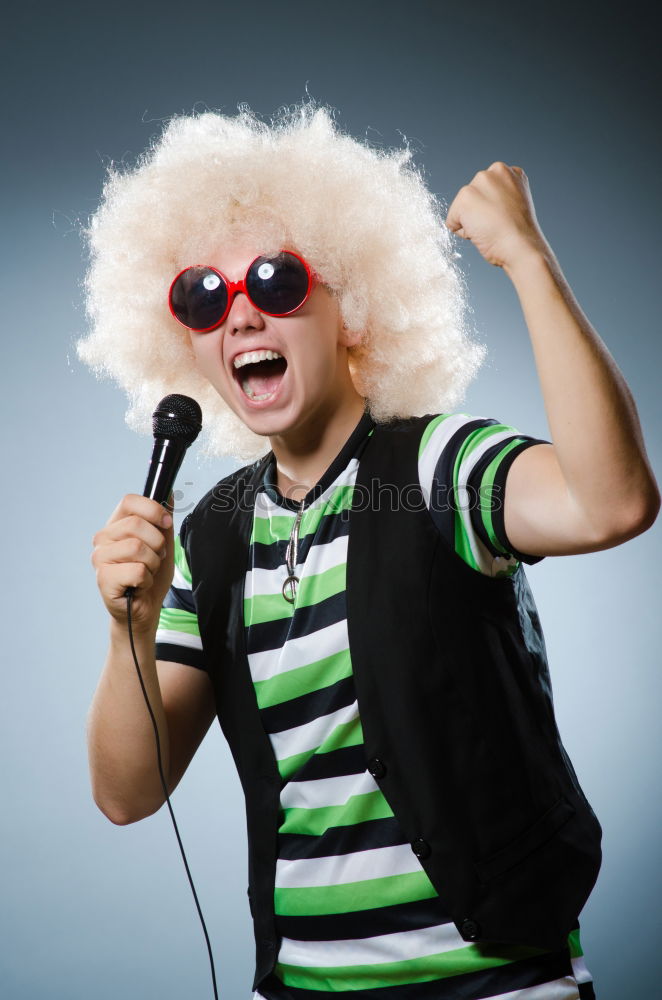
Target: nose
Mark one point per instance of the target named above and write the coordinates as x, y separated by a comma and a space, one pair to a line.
243, 316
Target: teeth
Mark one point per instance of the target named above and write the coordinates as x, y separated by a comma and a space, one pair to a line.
252, 357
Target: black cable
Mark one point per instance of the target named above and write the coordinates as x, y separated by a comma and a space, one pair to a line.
129, 600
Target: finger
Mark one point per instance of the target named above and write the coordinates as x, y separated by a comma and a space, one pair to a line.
132, 526
143, 507
453, 221
127, 550
113, 579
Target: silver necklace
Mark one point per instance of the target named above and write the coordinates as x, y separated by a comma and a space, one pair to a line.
291, 557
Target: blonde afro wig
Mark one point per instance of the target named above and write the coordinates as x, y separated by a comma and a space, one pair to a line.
362, 217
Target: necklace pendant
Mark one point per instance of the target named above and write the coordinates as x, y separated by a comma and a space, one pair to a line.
291, 582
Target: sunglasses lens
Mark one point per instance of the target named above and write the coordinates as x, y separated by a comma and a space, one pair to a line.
278, 285
198, 298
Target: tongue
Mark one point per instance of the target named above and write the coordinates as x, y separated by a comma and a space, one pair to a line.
260, 384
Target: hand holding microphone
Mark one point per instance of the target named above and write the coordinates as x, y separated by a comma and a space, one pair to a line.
135, 547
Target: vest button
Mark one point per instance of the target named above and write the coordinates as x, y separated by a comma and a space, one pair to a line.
421, 848
470, 929
377, 767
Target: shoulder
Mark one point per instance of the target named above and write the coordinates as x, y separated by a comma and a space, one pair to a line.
234, 485
233, 494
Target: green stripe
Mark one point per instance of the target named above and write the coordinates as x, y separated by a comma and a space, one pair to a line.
312, 590
488, 495
300, 680
442, 965
462, 543
277, 527
347, 734
367, 895
319, 587
266, 608
177, 620
357, 809
574, 944
180, 560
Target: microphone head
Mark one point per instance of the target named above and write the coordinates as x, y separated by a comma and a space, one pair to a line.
177, 417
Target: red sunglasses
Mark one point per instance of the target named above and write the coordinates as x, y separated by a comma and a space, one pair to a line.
200, 297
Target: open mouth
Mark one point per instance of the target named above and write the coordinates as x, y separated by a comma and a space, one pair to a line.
259, 374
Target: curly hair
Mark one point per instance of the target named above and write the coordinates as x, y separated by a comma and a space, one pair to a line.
363, 218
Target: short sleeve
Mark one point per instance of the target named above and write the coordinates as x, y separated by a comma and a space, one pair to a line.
463, 462
178, 634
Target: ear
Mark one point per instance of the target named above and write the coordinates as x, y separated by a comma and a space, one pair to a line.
349, 338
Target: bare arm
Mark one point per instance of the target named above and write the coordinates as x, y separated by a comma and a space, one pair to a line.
593, 487
136, 549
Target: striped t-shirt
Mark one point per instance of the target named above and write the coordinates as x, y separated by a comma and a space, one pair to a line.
356, 913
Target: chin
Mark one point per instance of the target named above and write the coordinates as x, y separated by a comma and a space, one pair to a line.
268, 424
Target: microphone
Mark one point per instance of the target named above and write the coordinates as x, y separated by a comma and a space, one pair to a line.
176, 423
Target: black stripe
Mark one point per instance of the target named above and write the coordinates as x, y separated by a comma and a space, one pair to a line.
480, 500
181, 599
586, 991
498, 512
342, 840
307, 707
345, 760
180, 654
330, 527
306, 621
364, 923
470, 986
443, 502
263, 555
271, 555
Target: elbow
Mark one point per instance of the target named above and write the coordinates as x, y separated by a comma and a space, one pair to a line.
122, 813
636, 520
118, 817
645, 514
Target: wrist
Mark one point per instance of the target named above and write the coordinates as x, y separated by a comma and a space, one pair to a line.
530, 259
144, 634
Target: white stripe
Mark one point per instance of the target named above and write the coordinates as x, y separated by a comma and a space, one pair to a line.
427, 463
398, 947
319, 559
178, 638
438, 440
179, 581
344, 868
580, 972
322, 792
266, 507
310, 736
559, 989
299, 652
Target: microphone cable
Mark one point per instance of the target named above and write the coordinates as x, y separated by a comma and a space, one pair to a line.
129, 600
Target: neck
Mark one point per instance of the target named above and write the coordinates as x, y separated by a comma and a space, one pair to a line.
304, 454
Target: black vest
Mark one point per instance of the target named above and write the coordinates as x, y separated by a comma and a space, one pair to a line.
454, 697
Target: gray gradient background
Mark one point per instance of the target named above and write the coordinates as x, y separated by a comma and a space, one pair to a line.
94, 911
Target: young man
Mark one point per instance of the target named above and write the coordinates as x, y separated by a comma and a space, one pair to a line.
353, 604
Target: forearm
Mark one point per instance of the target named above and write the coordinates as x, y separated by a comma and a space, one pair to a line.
592, 416
121, 742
